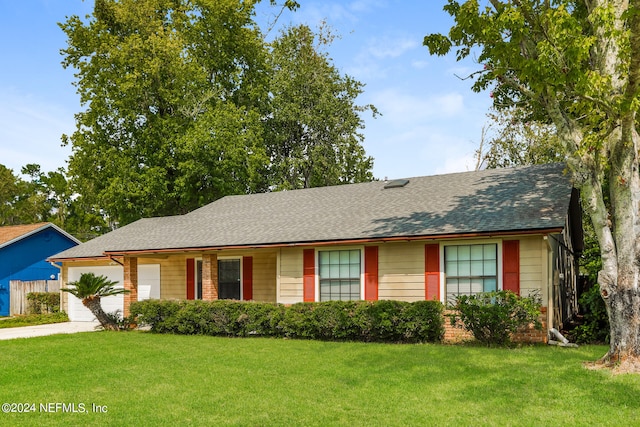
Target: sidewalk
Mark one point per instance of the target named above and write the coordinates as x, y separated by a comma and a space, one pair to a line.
51, 329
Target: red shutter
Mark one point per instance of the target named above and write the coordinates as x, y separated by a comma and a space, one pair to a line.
191, 278
247, 278
309, 275
511, 266
432, 271
371, 273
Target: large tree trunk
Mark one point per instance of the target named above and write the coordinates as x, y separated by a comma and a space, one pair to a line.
623, 307
93, 304
618, 232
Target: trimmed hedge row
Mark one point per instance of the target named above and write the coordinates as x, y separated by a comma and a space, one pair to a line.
379, 321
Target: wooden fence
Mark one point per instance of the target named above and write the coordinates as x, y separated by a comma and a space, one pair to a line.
18, 291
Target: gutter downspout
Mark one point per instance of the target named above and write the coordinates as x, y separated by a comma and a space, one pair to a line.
563, 342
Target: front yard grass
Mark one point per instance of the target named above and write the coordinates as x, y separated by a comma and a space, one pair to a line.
33, 320
147, 379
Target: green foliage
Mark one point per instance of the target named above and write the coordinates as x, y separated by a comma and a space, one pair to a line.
34, 319
174, 91
517, 141
181, 97
46, 197
90, 289
595, 328
90, 286
313, 130
43, 302
382, 321
123, 323
492, 317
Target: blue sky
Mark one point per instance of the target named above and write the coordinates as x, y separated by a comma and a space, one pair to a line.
431, 120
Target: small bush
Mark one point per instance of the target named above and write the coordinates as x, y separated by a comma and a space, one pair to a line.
492, 317
123, 323
43, 302
383, 321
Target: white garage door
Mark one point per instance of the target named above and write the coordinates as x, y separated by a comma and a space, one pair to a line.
148, 287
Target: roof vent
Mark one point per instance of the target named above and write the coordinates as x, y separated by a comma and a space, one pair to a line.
396, 183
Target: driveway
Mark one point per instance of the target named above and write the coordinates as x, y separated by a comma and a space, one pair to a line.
52, 329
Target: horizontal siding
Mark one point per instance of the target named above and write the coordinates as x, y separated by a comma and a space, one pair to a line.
291, 275
531, 268
264, 276
173, 276
401, 271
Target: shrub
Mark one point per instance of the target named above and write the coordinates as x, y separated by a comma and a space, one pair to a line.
423, 322
595, 328
387, 321
123, 323
155, 313
226, 318
492, 317
43, 302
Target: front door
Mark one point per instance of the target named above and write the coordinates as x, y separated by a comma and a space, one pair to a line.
229, 279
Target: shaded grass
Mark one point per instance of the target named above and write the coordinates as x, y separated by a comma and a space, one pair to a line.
147, 379
33, 320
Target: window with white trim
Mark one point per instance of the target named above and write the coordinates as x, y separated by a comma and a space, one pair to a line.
339, 275
470, 269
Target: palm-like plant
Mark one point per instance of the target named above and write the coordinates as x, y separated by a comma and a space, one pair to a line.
90, 289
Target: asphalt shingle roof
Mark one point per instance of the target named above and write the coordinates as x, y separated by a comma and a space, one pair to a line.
498, 200
11, 233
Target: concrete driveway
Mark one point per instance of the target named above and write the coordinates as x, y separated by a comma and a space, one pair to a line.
52, 329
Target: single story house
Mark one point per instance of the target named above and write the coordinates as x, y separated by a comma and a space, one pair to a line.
24, 250
431, 237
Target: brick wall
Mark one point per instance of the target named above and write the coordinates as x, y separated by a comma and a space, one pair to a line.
528, 334
209, 277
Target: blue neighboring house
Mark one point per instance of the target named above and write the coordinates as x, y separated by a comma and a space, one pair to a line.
24, 250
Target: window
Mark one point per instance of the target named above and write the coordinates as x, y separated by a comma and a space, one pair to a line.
229, 277
339, 273
470, 269
198, 281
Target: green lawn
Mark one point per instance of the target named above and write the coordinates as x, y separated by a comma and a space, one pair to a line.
145, 379
33, 320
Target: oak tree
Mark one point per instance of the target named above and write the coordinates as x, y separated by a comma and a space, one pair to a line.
174, 92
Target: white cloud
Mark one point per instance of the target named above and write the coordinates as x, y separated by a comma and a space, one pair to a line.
390, 47
401, 108
366, 5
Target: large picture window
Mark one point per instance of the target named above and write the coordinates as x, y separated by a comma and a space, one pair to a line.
339, 273
470, 269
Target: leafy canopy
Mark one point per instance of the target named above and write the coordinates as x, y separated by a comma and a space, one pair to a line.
186, 103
